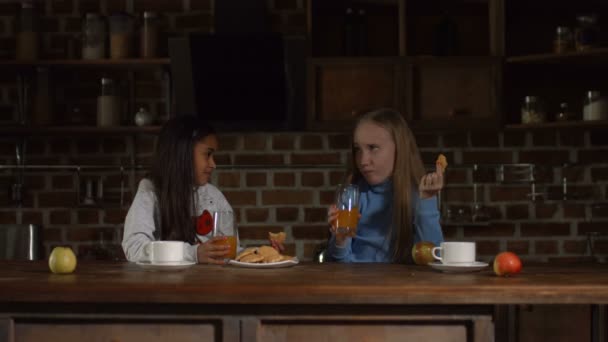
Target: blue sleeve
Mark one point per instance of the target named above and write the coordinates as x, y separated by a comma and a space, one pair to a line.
426, 221
339, 254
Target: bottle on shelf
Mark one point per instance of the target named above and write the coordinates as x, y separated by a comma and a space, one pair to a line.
446, 37
564, 40
121, 33
361, 32
350, 36
27, 40
108, 105
149, 36
587, 32
93, 37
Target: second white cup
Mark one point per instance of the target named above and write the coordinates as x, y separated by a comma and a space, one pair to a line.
455, 252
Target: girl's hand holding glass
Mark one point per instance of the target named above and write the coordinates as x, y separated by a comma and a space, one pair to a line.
214, 251
332, 219
344, 216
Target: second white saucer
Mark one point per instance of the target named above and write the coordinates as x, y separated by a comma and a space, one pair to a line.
459, 268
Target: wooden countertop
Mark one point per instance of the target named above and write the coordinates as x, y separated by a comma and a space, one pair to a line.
306, 283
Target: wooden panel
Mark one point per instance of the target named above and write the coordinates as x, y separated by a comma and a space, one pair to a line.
36, 332
556, 323
6, 329
342, 90
454, 90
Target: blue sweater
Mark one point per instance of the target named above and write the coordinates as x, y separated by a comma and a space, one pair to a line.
371, 244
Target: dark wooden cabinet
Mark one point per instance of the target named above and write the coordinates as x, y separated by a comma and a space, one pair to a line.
341, 88
431, 60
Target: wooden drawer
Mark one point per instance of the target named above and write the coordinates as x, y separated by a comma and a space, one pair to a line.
412, 328
76, 331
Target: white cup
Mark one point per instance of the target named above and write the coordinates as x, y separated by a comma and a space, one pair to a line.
455, 252
163, 252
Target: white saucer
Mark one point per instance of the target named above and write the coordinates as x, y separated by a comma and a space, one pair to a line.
170, 266
280, 264
459, 268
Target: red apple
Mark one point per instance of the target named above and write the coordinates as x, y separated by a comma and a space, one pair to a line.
507, 263
422, 252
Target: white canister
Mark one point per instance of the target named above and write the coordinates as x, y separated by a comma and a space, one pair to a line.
108, 105
595, 107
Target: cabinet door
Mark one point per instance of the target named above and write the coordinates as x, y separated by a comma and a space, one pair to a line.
453, 92
341, 89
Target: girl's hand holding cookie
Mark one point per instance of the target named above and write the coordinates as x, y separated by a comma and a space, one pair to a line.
432, 183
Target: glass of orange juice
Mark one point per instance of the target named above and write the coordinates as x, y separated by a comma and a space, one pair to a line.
347, 203
224, 225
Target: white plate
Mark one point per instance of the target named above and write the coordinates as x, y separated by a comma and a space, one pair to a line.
173, 266
285, 263
459, 268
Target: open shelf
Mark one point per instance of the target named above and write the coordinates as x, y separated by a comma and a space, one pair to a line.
130, 63
51, 130
594, 55
561, 124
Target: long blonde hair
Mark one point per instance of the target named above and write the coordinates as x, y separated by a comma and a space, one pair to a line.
407, 171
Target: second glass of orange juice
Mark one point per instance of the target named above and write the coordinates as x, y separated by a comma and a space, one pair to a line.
347, 202
224, 225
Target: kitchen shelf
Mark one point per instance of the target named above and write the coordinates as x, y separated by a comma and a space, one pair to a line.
564, 124
52, 130
127, 63
594, 55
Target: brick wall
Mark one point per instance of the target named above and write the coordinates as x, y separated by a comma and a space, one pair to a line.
284, 181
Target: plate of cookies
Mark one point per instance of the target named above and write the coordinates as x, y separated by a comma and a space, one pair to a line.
263, 257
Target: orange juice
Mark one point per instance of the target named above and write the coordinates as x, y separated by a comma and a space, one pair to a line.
231, 241
347, 221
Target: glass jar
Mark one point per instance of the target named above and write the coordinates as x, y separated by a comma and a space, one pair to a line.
93, 37
143, 117
564, 113
121, 31
149, 36
108, 104
27, 39
532, 111
595, 107
564, 40
587, 32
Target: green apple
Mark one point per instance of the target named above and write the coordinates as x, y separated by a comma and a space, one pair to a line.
62, 260
422, 252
